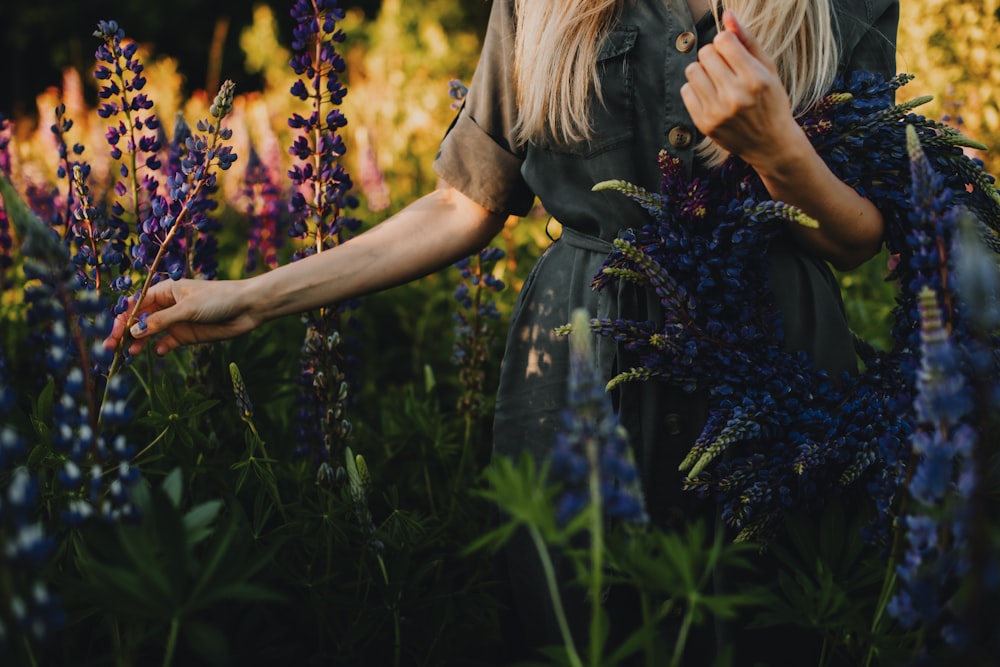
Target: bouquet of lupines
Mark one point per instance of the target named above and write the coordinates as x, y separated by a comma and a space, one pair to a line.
781, 432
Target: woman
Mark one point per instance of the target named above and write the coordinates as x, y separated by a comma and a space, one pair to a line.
568, 94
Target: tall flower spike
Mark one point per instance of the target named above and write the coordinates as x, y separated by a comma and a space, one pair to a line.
320, 198
88, 410
591, 433
322, 184
936, 528
473, 323
174, 238
243, 403
262, 196
133, 139
703, 255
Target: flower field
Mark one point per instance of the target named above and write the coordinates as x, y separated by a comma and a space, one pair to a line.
321, 490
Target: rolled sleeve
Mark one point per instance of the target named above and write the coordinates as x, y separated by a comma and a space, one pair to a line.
478, 156
473, 163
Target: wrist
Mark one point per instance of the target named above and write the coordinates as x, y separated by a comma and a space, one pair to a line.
784, 161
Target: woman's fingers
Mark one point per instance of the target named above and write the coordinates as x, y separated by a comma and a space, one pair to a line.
733, 27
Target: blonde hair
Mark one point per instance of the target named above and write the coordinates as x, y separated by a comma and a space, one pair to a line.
557, 42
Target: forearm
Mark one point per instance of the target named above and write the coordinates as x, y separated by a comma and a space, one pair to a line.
850, 226
427, 235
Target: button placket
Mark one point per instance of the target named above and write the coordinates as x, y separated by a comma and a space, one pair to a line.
678, 133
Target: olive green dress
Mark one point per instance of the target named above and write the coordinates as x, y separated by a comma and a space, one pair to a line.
641, 66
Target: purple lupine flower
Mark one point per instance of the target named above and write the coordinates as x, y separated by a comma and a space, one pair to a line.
474, 323
592, 442
457, 92
319, 202
370, 176
935, 529
791, 433
264, 214
176, 238
322, 196
89, 409
133, 139
6, 241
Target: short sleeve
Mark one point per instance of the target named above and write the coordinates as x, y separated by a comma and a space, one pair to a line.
867, 31
478, 155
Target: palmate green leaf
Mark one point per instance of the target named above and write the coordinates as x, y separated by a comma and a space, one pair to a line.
240, 592
523, 492
639, 640
120, 591
199, 519
177, 410
230, 565
173, 486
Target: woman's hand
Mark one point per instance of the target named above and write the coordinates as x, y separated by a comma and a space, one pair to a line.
182, 312
736, 98
436, 230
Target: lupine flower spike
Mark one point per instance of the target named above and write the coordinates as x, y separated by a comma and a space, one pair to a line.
792, 434
27, 606
473, 323
319, 203
592, 442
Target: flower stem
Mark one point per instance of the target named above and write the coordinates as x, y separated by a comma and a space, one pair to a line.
675, 659
596, 563
168, 653
550, 580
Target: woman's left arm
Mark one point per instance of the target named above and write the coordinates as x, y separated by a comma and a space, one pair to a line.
735, 97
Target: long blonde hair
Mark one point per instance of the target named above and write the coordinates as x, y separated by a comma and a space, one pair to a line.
557, 42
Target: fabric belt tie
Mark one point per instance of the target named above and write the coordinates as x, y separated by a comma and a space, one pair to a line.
619, 299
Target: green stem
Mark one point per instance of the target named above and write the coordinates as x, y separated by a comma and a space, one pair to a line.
597, 568
168, 654
145, 449
550, 580
644, 604
675, 659
466, 443
271, 477
29, 654
116, 642
397, 632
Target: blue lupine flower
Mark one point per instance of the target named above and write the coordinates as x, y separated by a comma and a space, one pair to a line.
120, 74
25, 546
177, 234
790, 431
592, 442
942, 482
474, 323
264, 214
318, 206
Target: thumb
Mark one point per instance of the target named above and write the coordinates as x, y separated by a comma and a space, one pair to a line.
732, 25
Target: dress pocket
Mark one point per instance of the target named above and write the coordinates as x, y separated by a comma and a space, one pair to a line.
611, 120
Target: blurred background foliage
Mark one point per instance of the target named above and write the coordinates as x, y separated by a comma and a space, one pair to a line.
400, 57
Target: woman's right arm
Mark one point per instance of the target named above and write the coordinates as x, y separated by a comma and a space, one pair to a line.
429, 234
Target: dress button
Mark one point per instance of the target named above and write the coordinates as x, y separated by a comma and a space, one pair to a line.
685, 42
672, 422
679, 137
